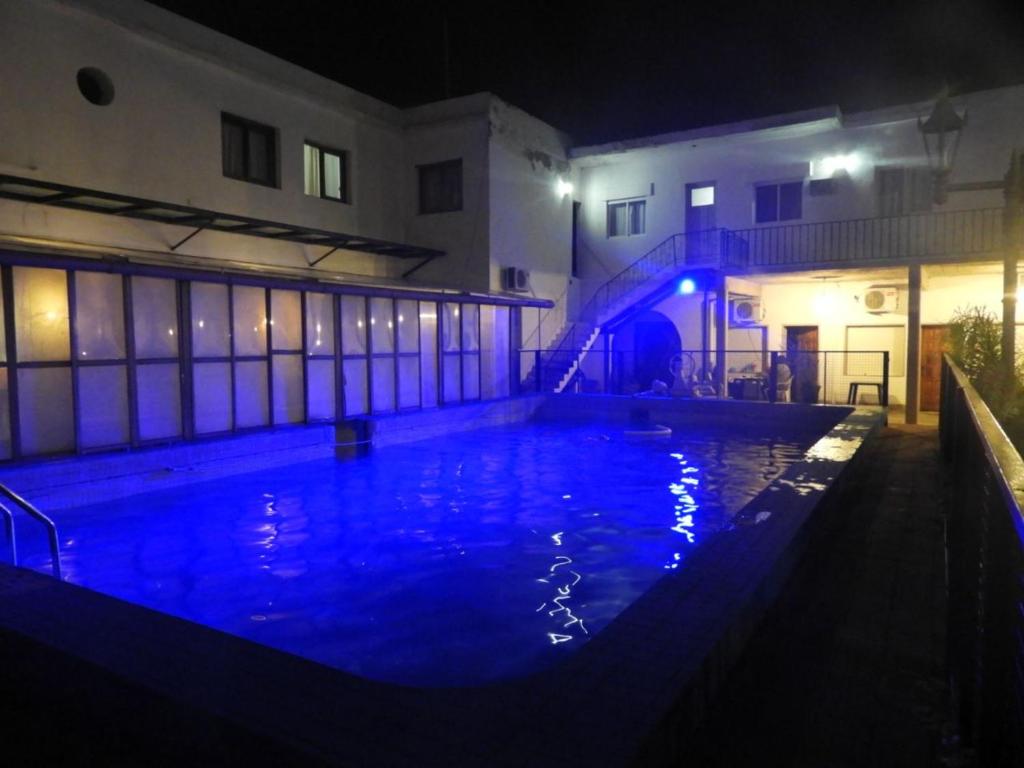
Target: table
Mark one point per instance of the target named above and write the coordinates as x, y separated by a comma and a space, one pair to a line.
854, 393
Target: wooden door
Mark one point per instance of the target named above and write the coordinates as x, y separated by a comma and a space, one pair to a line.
802, 357
933, 344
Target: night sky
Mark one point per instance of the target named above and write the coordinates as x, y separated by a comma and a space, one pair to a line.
604, 71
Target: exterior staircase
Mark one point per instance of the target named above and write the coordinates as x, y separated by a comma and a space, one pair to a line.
646, 280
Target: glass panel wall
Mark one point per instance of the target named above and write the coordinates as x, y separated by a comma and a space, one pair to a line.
101, 359
42, 353
321, 364
98, 359
451, 353
212, 404
428, 354
286, 344
354, 350
250, 335
382, 347
157, 371
494, 351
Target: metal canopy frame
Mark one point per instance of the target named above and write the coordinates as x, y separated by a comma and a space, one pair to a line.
198, 219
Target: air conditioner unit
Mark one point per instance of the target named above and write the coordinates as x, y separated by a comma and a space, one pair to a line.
515, 279
746, 312
880, 299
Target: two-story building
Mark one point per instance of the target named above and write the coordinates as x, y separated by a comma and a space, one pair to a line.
198, 238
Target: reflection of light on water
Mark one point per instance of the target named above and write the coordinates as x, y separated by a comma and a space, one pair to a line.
685, 505
563, 594
833, 448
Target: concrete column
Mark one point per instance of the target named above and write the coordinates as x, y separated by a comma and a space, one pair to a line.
914, 344
721, 326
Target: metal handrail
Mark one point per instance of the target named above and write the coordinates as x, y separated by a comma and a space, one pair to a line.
31, 511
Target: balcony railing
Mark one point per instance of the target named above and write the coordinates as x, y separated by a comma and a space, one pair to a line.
937, 236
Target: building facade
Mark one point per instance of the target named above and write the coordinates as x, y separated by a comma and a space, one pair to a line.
197, 238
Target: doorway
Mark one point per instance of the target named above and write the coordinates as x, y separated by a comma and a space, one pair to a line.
802, 356
700, 219
933, 344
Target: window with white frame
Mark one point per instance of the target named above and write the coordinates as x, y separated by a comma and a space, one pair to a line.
326, 172
627, 217
778, 202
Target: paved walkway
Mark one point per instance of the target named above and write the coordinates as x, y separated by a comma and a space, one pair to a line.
847, 668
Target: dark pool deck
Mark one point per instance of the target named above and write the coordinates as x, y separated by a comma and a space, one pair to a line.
847, 668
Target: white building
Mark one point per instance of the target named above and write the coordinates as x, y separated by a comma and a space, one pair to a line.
197, 238
822, 227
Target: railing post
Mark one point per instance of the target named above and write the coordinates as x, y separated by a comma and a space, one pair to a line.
885, 379
773, 378
537, 374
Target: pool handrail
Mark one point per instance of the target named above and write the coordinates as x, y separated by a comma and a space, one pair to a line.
51, 528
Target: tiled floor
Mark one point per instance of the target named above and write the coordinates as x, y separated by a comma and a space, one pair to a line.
847, 668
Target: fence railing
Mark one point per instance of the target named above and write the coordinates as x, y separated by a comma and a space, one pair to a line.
933, 235
853, 377
985, 574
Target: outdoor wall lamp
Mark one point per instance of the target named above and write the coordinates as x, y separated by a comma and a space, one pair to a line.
941, 134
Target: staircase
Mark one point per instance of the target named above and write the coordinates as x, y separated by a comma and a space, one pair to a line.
648, 279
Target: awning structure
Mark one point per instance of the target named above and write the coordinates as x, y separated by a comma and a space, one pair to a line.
199, 219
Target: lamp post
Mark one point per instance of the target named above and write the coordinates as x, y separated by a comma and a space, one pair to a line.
941, 134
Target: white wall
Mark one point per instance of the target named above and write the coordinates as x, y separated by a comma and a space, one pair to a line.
160, 138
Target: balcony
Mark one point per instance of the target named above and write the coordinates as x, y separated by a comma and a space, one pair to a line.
969, 235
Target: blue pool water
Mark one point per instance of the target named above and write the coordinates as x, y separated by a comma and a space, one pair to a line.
457, 561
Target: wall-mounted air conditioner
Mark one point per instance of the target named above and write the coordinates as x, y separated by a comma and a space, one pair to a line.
746, 312
880, 299
515, 279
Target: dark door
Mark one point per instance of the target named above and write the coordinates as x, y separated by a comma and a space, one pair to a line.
933, 344
700, 222
802, 356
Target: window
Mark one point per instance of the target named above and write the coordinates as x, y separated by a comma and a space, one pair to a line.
778, 202
249, 150
903, 190
627, 217
441, 187
326, 173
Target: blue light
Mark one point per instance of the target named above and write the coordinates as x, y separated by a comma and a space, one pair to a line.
687, 286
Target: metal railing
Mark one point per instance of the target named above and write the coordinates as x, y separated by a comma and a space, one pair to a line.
835, 377
51, 528
985, 574
706, 248
931, 235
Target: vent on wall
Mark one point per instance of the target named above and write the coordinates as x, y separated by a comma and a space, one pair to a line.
881, 299
515, 279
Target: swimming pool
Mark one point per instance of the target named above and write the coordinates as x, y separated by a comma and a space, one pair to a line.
482, 556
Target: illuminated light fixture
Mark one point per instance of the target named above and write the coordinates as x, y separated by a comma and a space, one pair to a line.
563, 187
825, 300
833, 164
687, 286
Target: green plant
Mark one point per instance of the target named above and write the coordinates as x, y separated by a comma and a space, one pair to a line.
975, 341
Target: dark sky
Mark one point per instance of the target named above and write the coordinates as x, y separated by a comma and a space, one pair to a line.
603, 71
